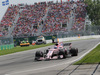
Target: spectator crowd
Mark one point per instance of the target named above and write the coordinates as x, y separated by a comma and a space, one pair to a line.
31, 17
80, 13
58, 15
8, 19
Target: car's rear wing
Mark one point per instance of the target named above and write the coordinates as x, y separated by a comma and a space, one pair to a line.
67, 44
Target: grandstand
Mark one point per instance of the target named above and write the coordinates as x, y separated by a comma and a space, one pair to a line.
46, 18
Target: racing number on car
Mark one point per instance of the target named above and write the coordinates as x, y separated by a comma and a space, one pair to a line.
49, 54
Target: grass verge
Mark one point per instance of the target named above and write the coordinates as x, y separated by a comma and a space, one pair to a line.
91, 58
19, 49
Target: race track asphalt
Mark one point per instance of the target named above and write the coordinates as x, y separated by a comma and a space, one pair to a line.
22, 63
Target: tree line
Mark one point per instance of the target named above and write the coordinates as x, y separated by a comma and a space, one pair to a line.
93, 10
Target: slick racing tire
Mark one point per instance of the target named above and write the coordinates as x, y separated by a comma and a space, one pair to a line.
62, 52
39, 54
74, 51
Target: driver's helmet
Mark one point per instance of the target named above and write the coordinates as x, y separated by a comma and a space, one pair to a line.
55, 47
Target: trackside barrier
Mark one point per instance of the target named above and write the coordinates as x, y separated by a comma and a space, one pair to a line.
4, 47
75, 38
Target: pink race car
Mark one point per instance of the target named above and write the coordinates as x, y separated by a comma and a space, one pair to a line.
57, 52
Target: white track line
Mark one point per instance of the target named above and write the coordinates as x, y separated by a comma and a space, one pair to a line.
56, 64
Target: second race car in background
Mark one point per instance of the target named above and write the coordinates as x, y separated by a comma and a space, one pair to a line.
40, 40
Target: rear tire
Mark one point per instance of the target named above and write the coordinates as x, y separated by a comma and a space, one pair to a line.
74, 51
62, 52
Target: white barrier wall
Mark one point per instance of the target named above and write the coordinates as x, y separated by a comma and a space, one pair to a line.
75, 38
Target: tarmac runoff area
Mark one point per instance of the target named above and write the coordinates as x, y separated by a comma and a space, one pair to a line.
86, 69
53, 67
90, 69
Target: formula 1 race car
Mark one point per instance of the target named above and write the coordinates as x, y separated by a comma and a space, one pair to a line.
57, 52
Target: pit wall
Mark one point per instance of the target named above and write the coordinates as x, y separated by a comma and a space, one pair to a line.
75, 38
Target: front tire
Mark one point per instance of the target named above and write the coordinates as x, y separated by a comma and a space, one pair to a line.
39, 54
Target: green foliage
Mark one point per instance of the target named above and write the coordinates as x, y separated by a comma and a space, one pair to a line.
91, 58
93, 10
